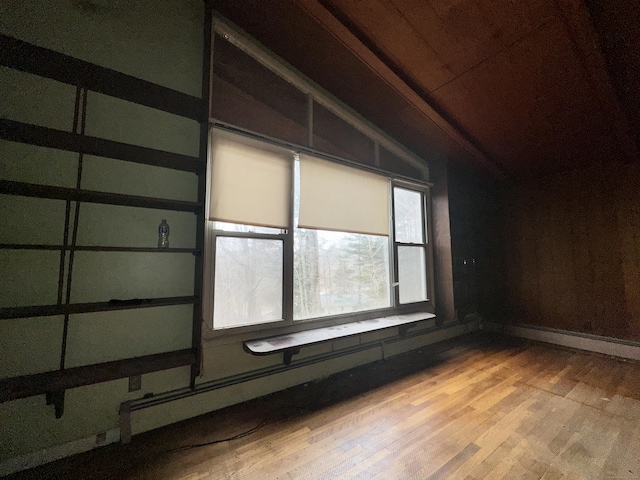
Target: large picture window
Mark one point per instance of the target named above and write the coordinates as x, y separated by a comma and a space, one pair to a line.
296, 239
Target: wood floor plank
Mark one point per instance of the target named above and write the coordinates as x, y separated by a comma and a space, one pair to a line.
486, 408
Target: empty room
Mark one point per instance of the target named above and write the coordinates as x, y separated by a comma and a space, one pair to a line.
320, 239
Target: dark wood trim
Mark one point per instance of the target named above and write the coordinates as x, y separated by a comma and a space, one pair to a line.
55, 381
441, 238
75, 308
43, 62
193, 251
96, 248
62, 193
15, 131
207, 64
24, 246
74, 239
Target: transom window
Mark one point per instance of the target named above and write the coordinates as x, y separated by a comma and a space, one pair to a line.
295, 238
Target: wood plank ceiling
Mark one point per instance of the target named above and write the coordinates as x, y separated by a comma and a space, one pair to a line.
524, 84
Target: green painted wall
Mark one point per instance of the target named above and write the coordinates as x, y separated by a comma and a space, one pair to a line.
160, 41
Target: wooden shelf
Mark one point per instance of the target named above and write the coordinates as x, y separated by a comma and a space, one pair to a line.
62, 193
95, 248
28, 246
133, 249
75, 308
43, 62
57, 381
73, 142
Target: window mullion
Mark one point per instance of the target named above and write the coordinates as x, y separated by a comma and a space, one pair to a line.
424, 217
288, 260
393, 254
429, 246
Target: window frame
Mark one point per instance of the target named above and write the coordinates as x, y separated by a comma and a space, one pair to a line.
287, 324
426, 245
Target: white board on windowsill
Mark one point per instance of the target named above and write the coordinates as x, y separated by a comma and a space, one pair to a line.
280, 343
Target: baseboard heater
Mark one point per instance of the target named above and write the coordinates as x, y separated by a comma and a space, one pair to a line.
127, 408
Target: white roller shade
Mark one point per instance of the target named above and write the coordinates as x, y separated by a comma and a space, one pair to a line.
250, 181
340, 198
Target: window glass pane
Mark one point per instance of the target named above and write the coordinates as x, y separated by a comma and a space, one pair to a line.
393, 163
249, 95
412, 275
337, 272
408, 215
235, 227
248, 282
333, 135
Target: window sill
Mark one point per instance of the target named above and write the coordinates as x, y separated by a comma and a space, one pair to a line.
290, 344
211, 337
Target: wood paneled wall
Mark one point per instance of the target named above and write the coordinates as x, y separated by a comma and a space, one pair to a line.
570, 248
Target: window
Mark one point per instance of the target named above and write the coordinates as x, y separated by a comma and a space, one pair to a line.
410, 207
295, 239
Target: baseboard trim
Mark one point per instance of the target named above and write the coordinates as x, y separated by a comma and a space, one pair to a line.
582, 341
35, 459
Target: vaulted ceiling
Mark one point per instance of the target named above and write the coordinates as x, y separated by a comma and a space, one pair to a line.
517, 88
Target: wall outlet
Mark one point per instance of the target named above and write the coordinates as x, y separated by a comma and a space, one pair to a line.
135, 383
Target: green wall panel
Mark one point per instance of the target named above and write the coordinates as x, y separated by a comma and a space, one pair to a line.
116, 226
30, 345
20, 162
105, 336
31, 220
29, 277
102, 276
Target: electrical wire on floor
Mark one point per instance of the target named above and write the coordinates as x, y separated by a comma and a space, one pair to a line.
222, 440
246, 433
314, 405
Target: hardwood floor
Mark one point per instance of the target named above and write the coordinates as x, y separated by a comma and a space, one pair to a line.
482, 409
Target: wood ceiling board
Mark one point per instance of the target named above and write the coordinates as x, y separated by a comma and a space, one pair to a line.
617, 23
409, 124
531, 104
623, 34
465, 33
433, 42
381, 27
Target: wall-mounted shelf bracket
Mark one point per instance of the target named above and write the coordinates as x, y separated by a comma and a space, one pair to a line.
288, 355
403, 329
57, 400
